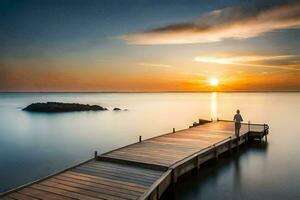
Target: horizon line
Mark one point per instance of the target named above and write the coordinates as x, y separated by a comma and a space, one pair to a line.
171, 91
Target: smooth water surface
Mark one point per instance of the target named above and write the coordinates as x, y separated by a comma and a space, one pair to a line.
33, 145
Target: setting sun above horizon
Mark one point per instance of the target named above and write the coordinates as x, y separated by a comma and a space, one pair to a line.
214, 82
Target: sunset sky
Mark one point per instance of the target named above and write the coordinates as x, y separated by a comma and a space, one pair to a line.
154, 45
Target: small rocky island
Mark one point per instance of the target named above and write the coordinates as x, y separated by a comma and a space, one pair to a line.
54, 107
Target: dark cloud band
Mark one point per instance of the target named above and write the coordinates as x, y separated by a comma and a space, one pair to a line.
232, 22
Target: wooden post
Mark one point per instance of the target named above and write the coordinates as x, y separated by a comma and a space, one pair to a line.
230, 145
216, 152
198, 163
195, 170
248, 126
95, 154
157, 192
173, 181
174, 177
173, 130
140, 138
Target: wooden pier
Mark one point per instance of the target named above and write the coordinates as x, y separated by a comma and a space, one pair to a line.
143, 170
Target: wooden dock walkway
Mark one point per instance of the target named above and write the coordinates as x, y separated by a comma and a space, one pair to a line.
143, 170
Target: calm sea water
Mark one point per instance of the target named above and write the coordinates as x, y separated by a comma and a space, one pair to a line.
35, 145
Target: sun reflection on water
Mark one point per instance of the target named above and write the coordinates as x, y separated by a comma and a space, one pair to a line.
214, 106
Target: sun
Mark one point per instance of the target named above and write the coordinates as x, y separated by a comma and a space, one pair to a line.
214, 82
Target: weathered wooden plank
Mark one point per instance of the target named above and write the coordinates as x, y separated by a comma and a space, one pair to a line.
180, 148
120, 173
124, 179
103, 192
99, 185
171, 148
105, 181
7, 198
145, 156
163, 146
192, 142
40, 194
167, 146
19, 196
150, 153
155, 165
125, 167
154, 146
200, 133
82, 192
144, 160
67, 193
120, 170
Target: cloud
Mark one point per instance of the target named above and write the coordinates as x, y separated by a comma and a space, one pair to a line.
285, 62
217, 25
154, 65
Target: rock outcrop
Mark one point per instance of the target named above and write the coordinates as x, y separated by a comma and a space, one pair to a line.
52, 107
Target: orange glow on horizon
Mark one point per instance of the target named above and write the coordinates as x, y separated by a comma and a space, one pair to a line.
196, 76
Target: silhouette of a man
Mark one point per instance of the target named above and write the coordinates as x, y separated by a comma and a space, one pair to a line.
237, 119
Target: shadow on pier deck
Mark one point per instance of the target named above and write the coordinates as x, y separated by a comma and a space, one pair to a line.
142, 170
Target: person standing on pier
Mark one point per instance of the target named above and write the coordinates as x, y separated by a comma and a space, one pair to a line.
237, 123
